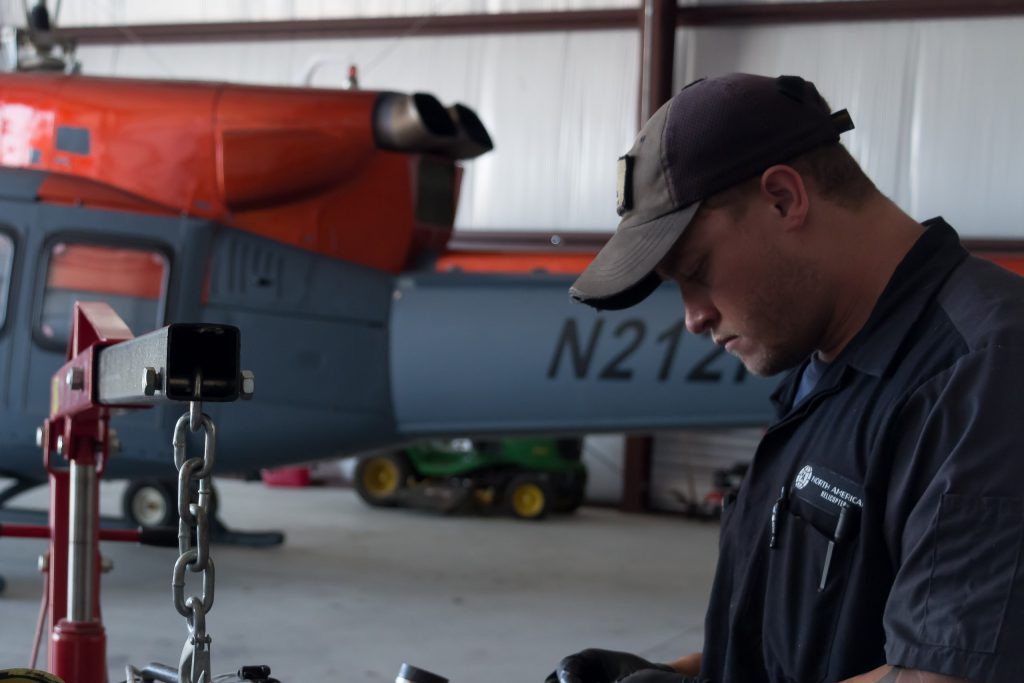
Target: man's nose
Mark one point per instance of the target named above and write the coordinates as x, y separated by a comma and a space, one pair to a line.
700, 314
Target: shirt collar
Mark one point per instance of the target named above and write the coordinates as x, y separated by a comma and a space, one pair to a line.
913, 284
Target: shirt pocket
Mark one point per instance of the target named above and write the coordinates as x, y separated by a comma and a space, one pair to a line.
802, 599
977, 552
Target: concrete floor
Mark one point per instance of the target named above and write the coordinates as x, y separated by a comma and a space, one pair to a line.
356, 591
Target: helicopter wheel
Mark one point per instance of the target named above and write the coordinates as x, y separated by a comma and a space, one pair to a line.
150, 503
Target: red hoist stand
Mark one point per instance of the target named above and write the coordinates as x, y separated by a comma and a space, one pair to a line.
95, 383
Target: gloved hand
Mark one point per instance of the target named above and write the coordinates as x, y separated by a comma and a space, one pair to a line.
606, 666
658, 676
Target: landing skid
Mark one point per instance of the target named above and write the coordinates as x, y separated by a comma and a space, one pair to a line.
154, 502
249, 539
220, 533
16, 488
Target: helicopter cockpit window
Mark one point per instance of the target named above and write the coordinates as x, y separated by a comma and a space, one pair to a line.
6, 261
132, 280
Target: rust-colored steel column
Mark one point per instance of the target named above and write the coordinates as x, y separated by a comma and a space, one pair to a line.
657, 55
636, 474
657, 46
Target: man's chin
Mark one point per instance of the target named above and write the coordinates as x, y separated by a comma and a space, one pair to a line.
760, 371
765, 365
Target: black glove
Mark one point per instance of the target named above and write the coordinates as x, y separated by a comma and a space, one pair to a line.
658, 676
606, 666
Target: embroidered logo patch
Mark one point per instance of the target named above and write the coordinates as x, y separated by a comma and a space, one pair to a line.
827, 490
804, 477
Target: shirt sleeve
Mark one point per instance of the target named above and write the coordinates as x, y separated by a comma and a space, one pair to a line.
955, 522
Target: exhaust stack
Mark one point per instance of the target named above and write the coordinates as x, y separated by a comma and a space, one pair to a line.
420, 123
472, 139
412, 123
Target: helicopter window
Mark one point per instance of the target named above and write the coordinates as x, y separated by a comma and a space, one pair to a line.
6, 260
131, 280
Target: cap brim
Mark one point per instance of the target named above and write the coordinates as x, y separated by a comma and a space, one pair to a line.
622, 274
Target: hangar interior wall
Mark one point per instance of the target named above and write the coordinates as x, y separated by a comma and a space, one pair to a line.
933, 101
935, 104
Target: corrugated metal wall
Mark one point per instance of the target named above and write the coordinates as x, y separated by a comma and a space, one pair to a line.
936, 105
934, 101
683, 463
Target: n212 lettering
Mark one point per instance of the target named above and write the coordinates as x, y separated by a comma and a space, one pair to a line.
575, 354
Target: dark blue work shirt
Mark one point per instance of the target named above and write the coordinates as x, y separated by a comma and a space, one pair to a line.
902, 472
812, 372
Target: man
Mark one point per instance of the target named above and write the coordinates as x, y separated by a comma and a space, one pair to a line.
877, 535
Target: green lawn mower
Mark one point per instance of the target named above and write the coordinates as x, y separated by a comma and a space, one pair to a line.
525, 477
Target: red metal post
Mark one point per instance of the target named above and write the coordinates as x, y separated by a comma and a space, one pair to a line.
58, 554
76, 430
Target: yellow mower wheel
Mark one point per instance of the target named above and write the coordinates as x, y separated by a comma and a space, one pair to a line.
528, 497
380, 478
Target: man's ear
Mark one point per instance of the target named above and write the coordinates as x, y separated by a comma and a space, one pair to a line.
784, 189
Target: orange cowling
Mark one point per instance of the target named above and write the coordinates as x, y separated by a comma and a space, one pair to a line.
298, 166
267, 167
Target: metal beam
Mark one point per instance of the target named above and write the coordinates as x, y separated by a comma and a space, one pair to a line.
441, 24
844, 11
533, 22
180, 362
657, 56
572, 241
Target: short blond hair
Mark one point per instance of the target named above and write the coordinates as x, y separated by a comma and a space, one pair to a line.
829, 169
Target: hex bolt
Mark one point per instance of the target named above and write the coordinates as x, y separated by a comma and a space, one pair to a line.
248, 384
75, 378
151, 381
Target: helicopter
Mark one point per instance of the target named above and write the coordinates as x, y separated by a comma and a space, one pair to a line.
321, 224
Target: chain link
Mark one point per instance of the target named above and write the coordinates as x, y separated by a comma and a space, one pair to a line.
194, 541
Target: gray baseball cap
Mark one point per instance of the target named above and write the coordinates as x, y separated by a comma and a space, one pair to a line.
715, 133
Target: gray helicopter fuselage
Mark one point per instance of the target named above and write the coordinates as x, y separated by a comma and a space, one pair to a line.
348, 358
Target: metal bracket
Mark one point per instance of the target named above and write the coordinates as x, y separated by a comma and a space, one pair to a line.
164, 365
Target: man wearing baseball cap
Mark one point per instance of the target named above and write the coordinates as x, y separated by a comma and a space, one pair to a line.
878, 534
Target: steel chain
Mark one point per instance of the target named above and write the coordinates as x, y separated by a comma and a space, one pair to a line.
194, 666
